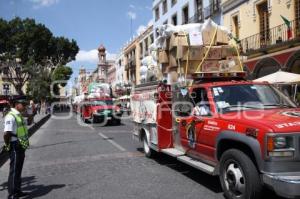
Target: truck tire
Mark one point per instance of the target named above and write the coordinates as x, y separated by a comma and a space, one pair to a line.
239, 176
149, 153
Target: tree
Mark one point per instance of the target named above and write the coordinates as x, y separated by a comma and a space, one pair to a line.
29, 51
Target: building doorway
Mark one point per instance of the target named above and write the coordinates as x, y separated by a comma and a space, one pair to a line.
236, 30
265, 67
297, 17
264, 24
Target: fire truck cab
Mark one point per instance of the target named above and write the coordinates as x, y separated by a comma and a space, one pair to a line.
245, 132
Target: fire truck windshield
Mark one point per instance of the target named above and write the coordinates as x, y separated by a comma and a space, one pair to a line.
250, 96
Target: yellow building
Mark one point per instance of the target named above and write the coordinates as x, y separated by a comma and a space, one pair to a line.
268, 31
7, 88
134, 52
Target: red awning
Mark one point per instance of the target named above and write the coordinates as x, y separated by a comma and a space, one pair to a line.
4, 102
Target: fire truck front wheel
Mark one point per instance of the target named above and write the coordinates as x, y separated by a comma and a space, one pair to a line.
147, 150
239, 176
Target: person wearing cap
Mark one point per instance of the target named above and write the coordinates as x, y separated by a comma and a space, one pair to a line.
16, 142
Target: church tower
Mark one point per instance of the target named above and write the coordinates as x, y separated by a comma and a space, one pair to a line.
102, 64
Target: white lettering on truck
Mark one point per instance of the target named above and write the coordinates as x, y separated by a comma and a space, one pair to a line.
290, 124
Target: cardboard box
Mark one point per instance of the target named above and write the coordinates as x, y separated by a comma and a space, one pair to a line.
228, 51
178, 39
210, 66
172, 77
172, 58
222, 38
193, 53
192, 67
231, 64
166, 44
214, 53
175, 54
163, 56
164, 68
207, 36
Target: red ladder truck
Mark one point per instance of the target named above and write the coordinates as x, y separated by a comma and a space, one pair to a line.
245, 132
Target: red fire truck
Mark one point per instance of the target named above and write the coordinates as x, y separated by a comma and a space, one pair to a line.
245, 132
100, 110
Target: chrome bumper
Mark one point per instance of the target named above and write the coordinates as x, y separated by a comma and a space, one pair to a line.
284, 184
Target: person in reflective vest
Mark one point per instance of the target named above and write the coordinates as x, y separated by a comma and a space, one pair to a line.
16, 142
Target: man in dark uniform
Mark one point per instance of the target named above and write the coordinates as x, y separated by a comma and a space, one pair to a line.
16, 142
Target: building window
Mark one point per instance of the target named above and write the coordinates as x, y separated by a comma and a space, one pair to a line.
174, 2
156, 32
165, 6
174, 20
185, 15
151, 39
199, 10
297, 17
6, 89
157, 14
264, 23
216, 5
236, 30
141, 50
166, 22
146, 46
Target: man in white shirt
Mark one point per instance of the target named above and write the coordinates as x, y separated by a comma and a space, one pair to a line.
16, 152
202, 108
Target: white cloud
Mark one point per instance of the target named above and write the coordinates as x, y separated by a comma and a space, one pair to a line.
132, 6
141, 29
132, 15
91, 56
43, 3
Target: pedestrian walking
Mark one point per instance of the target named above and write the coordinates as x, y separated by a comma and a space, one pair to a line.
16, 142
38, 108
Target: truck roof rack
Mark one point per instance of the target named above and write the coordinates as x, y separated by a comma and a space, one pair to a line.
221, 75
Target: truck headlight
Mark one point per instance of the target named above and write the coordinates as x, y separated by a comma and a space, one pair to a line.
280, 146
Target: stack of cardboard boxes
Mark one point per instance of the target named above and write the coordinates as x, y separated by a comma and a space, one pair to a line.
192, 50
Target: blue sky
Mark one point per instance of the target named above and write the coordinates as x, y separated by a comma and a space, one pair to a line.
89, 22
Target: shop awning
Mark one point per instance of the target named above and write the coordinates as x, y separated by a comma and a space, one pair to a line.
280, 77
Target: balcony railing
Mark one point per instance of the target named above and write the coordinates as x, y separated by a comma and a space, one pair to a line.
212, 9
271, 37
197, 18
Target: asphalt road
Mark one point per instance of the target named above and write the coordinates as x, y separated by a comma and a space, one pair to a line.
67, 160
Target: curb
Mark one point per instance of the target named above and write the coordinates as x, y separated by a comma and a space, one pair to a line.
31, 130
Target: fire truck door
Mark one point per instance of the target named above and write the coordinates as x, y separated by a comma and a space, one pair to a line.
189, 132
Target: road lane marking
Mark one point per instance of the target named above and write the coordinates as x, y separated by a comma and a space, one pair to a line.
112, 142
84, 159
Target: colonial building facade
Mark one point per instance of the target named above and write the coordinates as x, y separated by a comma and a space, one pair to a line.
134, 53
269, 33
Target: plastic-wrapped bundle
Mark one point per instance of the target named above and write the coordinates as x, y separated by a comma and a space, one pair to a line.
168, 29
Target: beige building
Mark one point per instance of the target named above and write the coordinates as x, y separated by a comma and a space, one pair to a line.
268, 31
134, 52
